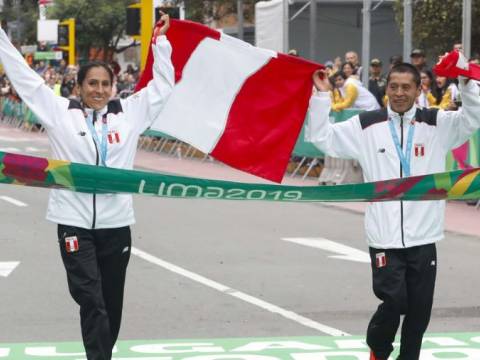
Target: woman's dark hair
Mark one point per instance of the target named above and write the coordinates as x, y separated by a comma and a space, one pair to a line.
354, 69
440, 91
84, 69
335, 75
405, 68
429, 74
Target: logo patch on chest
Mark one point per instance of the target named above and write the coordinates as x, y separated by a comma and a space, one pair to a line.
381, 259
419, 150
113, 137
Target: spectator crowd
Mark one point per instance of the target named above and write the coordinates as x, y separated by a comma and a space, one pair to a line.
62, 78
349, 91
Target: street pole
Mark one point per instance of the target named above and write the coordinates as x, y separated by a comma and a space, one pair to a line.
42, 9
240, 19
313, 28
407, 29
286, 43
467, 28
367, 4
146, 26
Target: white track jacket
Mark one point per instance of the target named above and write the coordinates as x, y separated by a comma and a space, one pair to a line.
70, 138
367, 138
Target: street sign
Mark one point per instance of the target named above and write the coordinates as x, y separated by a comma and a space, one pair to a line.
28, 49
48, 55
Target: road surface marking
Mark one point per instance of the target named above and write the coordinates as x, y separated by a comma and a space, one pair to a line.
238, 294
13, 201
346, 252
6, 267
10, 149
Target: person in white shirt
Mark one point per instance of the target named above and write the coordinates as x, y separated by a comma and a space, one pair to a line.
94, 229
399, 141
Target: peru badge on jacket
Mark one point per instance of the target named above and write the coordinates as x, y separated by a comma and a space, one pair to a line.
114, 137
419, 150
71, 244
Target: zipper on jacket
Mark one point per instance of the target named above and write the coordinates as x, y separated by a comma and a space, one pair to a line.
401, 175
97, 160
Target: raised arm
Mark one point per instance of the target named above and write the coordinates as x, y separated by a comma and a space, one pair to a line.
145, 106
338, 140
29, 85
456, 127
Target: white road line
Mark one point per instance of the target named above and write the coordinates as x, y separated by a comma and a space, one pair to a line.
21, 139
34, 149
10, 149
6, 267
346, 252
238, 294
13, 201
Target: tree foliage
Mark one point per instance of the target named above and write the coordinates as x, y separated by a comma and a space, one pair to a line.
99, 23
437, 25
26, 11
208, 11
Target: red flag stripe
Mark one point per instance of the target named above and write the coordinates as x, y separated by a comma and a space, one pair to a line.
256, 139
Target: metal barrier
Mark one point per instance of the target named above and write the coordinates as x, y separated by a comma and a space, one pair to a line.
305, 157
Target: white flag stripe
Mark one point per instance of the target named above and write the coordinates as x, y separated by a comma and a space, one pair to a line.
229, 65
13, 201
237, 294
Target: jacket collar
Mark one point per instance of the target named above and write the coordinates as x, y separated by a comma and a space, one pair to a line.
100, 112
407, 116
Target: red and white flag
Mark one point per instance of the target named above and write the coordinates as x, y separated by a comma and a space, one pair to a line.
454, 64
243, 105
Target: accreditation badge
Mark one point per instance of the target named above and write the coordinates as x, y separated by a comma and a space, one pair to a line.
71, 244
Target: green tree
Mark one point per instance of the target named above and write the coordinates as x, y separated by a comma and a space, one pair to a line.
99, 23
205, 11
26, 13
437, 25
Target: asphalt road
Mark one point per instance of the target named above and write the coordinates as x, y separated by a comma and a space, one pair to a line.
217, 269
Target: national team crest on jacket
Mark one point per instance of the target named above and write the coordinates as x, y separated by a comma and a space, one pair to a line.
113, 137
381, 260
71, 244
419, 150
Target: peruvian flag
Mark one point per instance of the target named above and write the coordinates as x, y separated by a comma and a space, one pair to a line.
454, 64
243, 105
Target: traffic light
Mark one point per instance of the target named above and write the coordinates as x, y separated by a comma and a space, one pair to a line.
63, 35
66, 38
133, 20
140, 25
